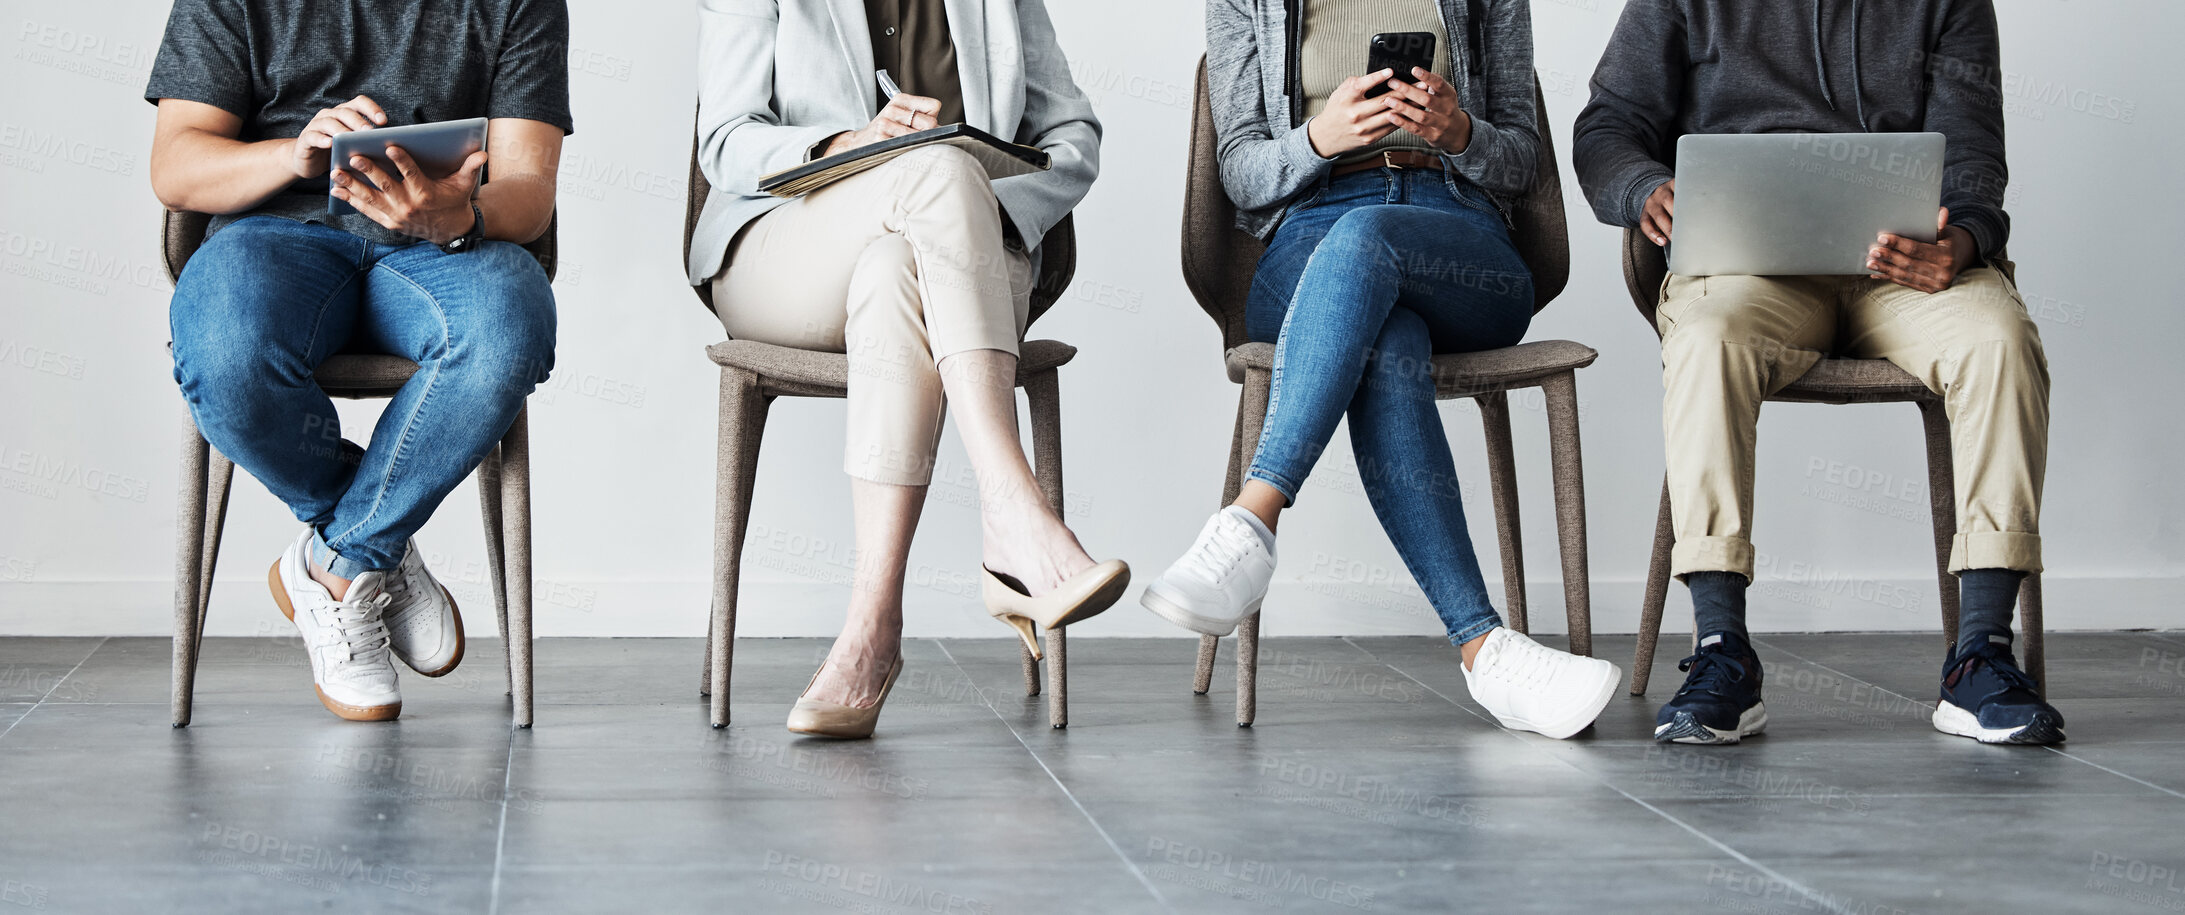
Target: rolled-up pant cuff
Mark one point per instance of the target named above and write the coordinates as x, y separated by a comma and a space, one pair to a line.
1711, 554
1468, 633
1281, 484
347, 567
2014, 550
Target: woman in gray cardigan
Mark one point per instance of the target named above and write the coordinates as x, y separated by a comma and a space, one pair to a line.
1380, 197
920, 270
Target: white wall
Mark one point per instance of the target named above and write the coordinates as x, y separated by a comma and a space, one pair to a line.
623, 434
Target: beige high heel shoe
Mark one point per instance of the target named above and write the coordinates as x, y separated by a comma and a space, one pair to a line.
826, 719
1080, 598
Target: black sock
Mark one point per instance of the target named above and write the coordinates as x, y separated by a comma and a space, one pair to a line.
1718, 602
1985, 599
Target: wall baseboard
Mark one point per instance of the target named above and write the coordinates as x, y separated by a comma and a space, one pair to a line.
240, 607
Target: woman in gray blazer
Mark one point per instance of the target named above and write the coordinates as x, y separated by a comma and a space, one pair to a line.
920, 270
1380, 197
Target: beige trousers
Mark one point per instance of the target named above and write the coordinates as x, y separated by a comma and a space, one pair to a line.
900, 267
1729, 341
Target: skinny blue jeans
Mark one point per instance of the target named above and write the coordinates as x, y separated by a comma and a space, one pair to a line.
1363, 282
267, 299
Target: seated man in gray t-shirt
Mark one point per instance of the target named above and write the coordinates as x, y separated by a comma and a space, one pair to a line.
250, 95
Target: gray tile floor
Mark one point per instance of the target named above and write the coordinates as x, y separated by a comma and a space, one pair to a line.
1371, 783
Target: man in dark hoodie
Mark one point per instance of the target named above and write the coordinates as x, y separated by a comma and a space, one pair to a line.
1946, 312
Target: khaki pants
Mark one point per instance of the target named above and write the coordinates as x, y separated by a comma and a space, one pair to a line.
900, 267
1729, 341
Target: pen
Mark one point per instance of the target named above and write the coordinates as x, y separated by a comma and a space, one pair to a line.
887, 85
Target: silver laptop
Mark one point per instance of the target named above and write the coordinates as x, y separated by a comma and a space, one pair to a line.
1787, 204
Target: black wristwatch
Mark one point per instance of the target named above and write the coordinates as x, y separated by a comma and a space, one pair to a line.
470, 239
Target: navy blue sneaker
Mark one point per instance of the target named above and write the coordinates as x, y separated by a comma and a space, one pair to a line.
1720, 701
1987, 698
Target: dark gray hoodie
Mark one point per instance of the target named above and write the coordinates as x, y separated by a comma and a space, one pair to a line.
1675, 67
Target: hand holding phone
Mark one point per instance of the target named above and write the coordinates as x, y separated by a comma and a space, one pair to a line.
1398, 52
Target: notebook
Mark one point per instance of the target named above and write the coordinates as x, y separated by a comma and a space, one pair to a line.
1001, 158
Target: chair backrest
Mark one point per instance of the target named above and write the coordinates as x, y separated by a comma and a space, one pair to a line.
1219, 258
1057, 259
181, 233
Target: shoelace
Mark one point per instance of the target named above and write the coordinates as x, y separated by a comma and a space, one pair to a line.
1525, 663
1713, 670
1218, 554
2001, 665
357, 626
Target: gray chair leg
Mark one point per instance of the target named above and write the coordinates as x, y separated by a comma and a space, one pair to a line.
1494, 416
742, 425
1942, 501
1240, 456
2029, 622
489, 509
189, 571
516, 541
1043, 391
221, 473
1657, 593
1567, 459
1258, 385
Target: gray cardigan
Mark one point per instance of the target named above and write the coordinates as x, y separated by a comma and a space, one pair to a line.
1267, 161
776, 77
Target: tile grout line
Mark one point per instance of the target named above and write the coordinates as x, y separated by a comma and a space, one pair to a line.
1724, 847
2057, 751
1090, 820
500, 837
56, 685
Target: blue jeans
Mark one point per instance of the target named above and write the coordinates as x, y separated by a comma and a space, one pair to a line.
267, 299
1377, 271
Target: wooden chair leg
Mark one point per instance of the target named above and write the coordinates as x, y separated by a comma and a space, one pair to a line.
1942, 502
2029, 622
1240, 456
1043, 392
742, 425
189, 572
516, 542
1258, 385
221, 474
489, 510
1567, 459
1657, 593
1494, 416
1203, 679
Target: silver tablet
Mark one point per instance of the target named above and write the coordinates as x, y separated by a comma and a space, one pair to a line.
439, 147
1799, 204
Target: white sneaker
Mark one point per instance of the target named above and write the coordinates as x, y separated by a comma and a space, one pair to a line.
1219, 581
423, 626
1531, 687
345, 639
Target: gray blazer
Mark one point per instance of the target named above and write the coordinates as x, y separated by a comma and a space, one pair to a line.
1266, 160
776, 76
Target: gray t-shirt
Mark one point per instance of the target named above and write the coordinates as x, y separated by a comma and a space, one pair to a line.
275, 63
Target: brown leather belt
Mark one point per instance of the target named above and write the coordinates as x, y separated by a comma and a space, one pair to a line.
1391, 158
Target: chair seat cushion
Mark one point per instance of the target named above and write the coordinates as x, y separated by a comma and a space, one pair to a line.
1847, 381
809, 373
363, 374
1461, 374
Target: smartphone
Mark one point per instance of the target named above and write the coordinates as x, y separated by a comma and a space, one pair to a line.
1398, 51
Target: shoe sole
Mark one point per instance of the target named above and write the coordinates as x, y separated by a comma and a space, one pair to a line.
1570, 726
1170, 611
1686, 729
2041, 731
455, 615
341, 710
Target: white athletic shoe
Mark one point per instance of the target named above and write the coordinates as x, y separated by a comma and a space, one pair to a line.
346, 640
1531, 687
1219, 581
423, 626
